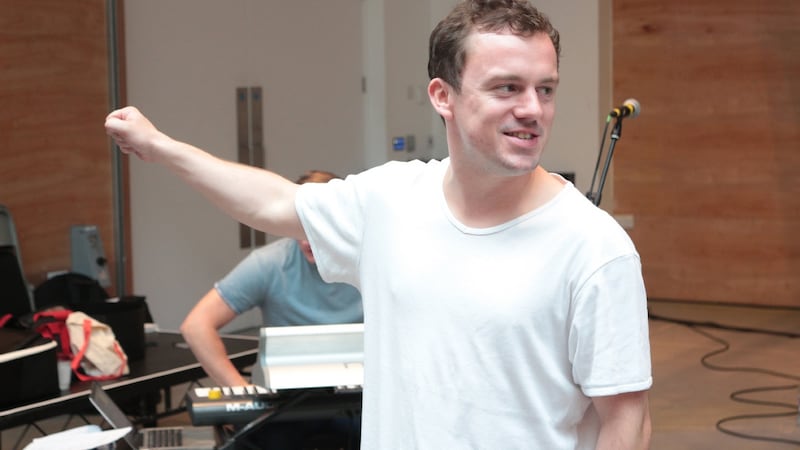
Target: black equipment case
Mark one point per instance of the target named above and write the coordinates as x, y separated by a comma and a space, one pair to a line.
28, 367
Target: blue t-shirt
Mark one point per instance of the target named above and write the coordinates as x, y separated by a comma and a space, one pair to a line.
289, 290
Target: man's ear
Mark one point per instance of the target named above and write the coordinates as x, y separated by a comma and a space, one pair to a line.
440, 93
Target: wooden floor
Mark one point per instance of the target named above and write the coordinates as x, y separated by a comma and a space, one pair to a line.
689, 396
693, 386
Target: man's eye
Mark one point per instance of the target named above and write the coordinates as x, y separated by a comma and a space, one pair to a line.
546, 91
507, 88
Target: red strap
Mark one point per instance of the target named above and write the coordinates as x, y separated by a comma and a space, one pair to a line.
5, 319
53, 325
76, 361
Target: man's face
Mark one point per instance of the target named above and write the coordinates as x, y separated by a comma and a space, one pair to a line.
500, 121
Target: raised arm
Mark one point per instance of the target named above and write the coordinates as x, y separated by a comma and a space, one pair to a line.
253, 196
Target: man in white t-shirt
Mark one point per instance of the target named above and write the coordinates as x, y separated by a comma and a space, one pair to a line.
502, 309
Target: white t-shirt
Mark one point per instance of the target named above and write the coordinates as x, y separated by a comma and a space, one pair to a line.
490, 338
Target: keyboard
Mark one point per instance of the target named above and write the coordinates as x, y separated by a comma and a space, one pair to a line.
162, 437
228, 404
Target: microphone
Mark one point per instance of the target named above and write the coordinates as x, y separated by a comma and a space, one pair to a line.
630, 108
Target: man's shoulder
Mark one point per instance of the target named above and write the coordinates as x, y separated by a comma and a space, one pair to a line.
403, 169
280, 250
279, 244
401, 177
588, 223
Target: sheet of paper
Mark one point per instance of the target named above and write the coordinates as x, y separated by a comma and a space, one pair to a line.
81, 438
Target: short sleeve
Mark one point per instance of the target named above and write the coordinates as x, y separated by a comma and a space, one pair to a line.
608, 339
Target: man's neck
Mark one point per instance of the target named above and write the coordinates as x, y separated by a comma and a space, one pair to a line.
483, 202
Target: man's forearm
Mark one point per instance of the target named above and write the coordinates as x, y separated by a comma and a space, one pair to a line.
209, 350
253, 196
624, 437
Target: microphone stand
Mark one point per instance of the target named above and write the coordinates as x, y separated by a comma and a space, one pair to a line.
596, 196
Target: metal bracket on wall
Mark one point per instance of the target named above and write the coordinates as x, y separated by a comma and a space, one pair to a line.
250, 142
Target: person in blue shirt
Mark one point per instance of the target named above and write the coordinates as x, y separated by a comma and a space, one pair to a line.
282, 280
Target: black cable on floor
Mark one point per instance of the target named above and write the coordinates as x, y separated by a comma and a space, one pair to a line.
725, 347
695, 323
694, 302
752, 436
736, 396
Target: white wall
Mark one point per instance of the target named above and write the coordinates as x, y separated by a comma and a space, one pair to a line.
576, 132
406, 28
185, 58
374, 51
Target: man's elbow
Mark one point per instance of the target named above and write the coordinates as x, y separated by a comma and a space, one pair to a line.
624, 421
643, 431
187, 328
646, 430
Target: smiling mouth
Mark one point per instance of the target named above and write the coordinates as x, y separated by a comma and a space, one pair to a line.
526, 136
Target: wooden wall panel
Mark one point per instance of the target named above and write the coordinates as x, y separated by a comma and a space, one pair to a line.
711, 169
55, 166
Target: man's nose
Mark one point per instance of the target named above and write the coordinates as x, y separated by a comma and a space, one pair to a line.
529, 105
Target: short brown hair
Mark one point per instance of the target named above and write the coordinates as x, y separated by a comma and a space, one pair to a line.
316, 176
446, 52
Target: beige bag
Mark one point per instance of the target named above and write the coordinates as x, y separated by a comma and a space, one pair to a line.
95, 348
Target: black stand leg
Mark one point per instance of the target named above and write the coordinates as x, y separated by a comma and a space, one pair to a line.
596, 196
